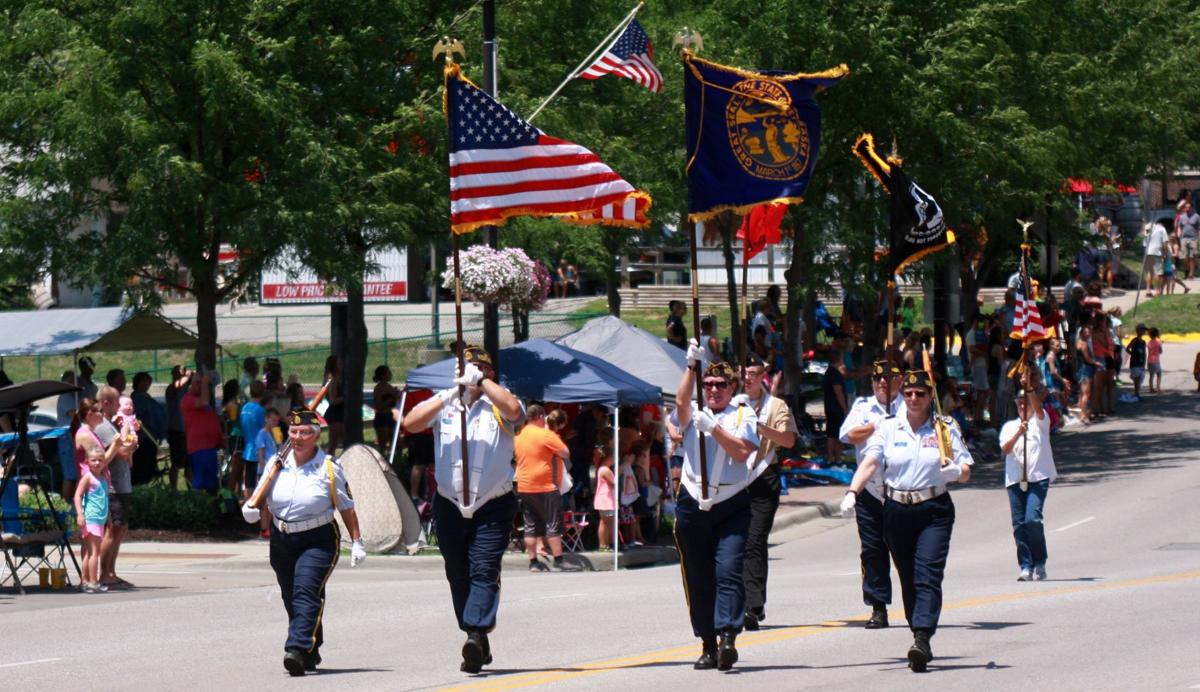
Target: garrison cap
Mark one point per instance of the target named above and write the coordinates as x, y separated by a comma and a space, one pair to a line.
304, 416
477, 355
917, 378
720, 369
884, 368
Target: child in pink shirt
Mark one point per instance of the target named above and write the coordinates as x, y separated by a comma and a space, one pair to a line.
1154, 351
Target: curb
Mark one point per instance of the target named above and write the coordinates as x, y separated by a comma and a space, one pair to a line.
800, 515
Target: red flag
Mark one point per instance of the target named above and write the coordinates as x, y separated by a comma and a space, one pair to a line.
759, 228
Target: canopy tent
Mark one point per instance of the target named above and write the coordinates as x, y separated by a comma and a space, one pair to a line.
634, 350
55, 332
545, 371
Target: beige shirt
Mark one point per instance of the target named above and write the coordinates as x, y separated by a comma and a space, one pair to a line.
773, 413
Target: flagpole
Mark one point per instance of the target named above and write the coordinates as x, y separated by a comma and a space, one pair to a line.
460, 346
602, 46
746, 336
1024, 484
698, 375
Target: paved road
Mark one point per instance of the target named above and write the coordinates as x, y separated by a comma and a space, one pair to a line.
1118, 613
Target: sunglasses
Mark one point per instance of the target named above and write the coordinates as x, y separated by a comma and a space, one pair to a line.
882, 378
916, 394
716, 384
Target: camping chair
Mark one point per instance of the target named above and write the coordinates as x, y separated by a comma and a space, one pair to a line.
39, 538
574, 524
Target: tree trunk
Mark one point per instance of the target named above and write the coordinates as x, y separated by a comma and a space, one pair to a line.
205, 288
612, 282
520, 325
354, 363
796, 305
731, 287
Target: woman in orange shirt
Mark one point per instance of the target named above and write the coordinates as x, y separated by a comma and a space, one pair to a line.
541, 454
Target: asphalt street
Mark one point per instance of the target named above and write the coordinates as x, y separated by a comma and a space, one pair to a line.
1118, 612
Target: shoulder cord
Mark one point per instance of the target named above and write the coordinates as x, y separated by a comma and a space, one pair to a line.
332, 485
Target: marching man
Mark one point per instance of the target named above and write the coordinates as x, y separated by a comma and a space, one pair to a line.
711, 533
864, 417
473, 527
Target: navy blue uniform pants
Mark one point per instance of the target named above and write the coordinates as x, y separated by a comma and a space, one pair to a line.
919, 538
764, 502
712, 547
302, 563
472, 550
876, 564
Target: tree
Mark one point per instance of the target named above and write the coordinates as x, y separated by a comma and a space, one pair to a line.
160, 120
359, 168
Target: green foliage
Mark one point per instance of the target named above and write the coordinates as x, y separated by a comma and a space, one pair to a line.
158, 507
41, 520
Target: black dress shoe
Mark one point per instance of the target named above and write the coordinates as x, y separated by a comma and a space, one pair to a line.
473, 653
311, 661
708, 655
294, 662
919, 654
751, 620
727, 654
878, 618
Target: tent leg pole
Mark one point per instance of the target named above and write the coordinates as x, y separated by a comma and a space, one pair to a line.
616, 485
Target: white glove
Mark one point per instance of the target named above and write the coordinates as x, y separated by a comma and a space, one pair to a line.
848, 503
740, 400
250, 514
951, 473
695, 354
471, 375
705, 422
450, 397
358, 553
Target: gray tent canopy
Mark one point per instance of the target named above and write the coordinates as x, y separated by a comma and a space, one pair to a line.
631, 349
58, 332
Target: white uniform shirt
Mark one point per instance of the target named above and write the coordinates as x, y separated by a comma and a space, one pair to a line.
490, 449
909, 458
302, 493
726, 476
866, 410
1041, 459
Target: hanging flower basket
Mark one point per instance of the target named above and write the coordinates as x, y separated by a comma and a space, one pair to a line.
506, 277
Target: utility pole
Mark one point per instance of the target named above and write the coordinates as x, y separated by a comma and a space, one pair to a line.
491, 311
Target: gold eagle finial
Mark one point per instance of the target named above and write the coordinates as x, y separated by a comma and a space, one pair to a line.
448, 47
689, 40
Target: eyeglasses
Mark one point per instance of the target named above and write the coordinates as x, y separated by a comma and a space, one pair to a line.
716, 384
915, 394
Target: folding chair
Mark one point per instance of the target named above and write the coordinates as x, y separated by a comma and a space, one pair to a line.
574, 524
47, 544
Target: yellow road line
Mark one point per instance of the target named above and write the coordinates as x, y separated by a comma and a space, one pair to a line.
762, 637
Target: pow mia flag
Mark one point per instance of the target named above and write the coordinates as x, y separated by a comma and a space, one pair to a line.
917, 225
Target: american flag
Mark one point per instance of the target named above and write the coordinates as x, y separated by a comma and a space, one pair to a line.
501, 166
1027, 321
631, 56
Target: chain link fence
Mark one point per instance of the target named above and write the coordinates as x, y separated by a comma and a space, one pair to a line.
301, 343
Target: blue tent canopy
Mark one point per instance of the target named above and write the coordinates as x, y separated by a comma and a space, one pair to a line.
544, 371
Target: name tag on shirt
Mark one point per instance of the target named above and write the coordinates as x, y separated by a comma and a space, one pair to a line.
900, 443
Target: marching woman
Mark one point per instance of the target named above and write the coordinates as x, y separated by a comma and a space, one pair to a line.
711, 533
918, 514
302, 498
